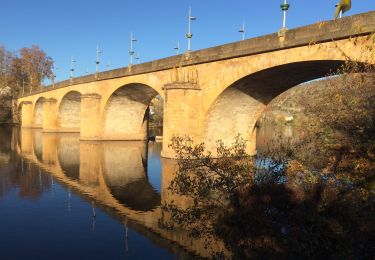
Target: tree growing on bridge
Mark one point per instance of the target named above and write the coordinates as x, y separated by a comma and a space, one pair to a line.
343, 7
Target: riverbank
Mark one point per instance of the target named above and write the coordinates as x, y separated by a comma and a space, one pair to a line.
9, 124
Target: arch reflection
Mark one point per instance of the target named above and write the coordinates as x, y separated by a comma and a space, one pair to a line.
118, 169
69, 155
125, 173
112, 176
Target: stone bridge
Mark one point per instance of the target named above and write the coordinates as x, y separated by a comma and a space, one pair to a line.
210, 94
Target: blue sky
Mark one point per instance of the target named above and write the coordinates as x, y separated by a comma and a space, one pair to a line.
65, 28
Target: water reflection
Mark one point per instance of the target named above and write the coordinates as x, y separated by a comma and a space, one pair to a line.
15, 171
119, 168
68, 148
122, 178
124, 170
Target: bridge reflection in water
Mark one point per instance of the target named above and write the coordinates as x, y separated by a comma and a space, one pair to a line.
114, 176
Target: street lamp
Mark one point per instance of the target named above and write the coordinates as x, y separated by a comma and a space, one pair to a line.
138, 58
72, 61
242, 31
54, 68
97, 60
189, 35
177, 48
131, 52
284, 8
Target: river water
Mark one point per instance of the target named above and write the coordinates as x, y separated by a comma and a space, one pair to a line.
62, 198
65, 199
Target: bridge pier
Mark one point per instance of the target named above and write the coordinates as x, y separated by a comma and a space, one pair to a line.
182, 113
50, 115
27, 114
91, 122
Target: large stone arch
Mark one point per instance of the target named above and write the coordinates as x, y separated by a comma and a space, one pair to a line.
237, 108
38, 113
70, 111
125, 115
218, 76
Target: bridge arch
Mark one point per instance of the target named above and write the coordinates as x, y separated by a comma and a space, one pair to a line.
70, 112
125, 114
237, 108
38, 113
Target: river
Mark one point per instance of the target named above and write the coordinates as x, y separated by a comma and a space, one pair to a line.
62, 198
65, 199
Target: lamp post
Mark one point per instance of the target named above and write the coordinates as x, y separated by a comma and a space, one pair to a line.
131, 52
72, 61
284, 8
97, 60
54, 74
177, 48
138, 58
189, 35
242, 31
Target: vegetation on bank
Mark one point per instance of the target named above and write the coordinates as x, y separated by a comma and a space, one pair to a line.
156, 112
308, 198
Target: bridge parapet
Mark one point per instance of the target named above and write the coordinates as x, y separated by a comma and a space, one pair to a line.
325, 31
